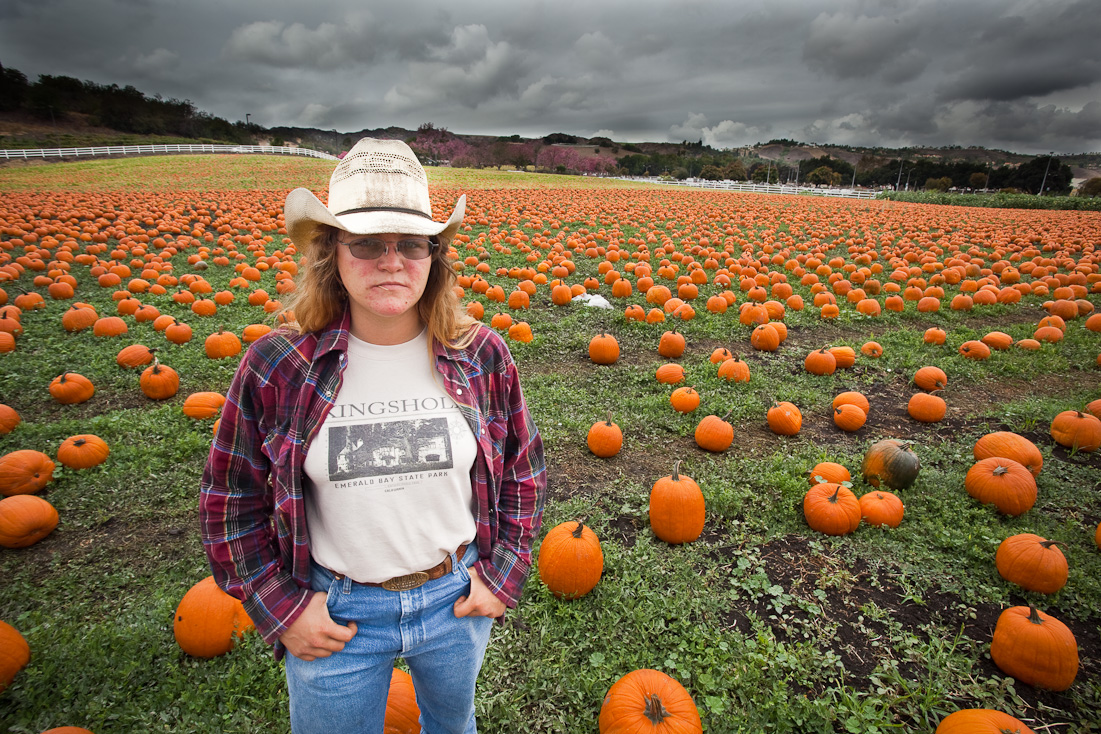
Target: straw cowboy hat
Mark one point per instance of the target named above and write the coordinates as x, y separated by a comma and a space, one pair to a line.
378, 187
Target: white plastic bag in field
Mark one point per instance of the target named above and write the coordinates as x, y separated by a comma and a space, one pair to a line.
593, 300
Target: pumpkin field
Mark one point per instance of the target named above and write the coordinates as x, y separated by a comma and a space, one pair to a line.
799, 449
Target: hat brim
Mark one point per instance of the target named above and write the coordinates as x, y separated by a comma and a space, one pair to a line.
303, 212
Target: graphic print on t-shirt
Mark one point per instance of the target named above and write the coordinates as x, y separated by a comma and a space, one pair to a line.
389, 447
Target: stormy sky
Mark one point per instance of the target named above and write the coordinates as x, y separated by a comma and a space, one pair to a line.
1021, 75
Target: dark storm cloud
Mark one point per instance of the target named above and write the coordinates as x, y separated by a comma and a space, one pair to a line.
1024, 75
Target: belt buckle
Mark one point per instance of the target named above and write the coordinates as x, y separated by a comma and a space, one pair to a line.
406, 582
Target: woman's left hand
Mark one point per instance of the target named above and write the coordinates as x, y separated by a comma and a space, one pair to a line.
481, 602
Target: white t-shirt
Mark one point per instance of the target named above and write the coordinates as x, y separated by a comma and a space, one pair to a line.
388, 474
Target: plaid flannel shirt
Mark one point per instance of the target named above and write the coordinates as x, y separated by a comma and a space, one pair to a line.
251, 507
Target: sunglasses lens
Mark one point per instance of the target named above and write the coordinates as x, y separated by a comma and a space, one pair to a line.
367, 249
371, 249
415, 249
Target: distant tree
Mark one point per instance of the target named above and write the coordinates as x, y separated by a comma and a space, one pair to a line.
824, 175
601, 141
561, 138
711, 173
1030, 175
1091, 187
734, 171
13, 88
977, 180
938, 184
680, 173
521, 155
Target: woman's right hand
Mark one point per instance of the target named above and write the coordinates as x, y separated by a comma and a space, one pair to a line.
314, 634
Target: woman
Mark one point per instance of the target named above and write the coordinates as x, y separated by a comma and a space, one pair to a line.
376, 482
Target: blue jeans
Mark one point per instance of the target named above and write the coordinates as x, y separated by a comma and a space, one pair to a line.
346, 692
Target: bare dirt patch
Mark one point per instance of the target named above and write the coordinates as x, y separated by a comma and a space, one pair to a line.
791, 563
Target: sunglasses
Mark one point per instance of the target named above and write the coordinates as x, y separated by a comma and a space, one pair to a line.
372, 249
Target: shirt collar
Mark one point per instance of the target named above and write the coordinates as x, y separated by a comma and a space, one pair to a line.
335, 335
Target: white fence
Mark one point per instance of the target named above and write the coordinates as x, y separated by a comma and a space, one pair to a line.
160, 149
763, 188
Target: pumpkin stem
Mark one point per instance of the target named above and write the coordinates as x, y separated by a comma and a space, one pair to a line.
1000, 469
833, 497
79, 442
676, 474
1049, 543
1034, 616
609, 421
578, 530
655, 711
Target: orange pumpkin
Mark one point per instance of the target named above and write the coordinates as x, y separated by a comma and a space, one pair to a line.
672, 344
670, 374
648, 701
734, 370
784, 419
603, 348
1010, 446
402, 712
1035, 648
881, 507
570, 560
9, 419
1076, 430
684, 399
890, 462
15, 653
521, 332
828, 471
159, 381
135, 355
931, 378
208, 619
1031, 562
1003, 483
203, 405
25, 471
605, 438
981, 721
852, 397
844, 357
849, 417
25, 519
83, 451
677, 508
926, 407
831, 509
70, 388
714, 434
820, 362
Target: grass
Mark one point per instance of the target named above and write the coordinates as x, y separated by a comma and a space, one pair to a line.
770, 626
997, 201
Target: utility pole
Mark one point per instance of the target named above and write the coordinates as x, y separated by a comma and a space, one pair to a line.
247, 115
900, 164
1048, 168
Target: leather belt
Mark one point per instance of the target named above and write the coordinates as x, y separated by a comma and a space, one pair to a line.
415, 579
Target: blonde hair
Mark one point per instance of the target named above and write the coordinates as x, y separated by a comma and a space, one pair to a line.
320, 296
